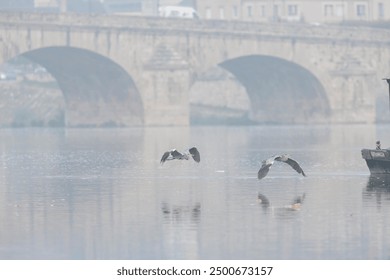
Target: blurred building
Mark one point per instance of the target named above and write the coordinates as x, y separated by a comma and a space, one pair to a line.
145, 7
130, 7
142, 7
49, 5
312, 11
16, 5
188, 3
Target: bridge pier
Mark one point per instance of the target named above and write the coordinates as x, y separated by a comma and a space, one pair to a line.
354, 97
99, 113
165, 89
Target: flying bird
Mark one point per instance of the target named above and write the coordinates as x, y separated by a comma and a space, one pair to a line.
266, 165
174, 154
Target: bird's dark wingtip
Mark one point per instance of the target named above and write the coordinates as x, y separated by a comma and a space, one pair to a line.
164, 157
195, 154
260, 175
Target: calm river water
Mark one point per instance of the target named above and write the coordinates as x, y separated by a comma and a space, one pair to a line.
102, 194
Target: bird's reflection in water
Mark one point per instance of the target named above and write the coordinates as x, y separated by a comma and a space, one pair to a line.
181, 213
181, 230
295, 204
263, 200
378, 186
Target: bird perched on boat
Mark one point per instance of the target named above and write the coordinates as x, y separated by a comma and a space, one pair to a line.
174, 154
266, 165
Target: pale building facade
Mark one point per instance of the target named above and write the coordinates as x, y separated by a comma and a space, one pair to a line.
46, 3
312, 11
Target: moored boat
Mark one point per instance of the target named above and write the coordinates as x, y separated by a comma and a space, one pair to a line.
378, 160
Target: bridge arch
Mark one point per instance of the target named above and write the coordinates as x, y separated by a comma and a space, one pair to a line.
280, 91
97, 90
217, 97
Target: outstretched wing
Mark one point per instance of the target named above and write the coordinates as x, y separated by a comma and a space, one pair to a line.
265, 166
263, 171
195, 154
294, 164
176, 154
164, 157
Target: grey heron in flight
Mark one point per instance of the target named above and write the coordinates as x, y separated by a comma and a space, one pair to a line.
266, 165
174, 154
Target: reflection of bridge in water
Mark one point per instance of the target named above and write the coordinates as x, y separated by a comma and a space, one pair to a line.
132, 70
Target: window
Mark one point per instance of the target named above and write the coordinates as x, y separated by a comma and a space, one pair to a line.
174, 14
340, 10
328, 10
381, 11
208, 13
262, 11
249, 11
235, 12
276, 11
292, 10
360, 10
221, 13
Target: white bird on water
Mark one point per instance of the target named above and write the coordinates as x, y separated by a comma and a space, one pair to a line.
266, 165
174, 154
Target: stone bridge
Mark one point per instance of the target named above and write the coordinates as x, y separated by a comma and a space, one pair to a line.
126, 71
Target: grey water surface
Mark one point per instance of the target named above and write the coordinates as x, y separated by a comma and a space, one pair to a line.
102, 194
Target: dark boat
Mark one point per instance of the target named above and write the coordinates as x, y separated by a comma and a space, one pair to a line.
378, 159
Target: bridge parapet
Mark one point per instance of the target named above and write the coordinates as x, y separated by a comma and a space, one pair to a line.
297, 31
